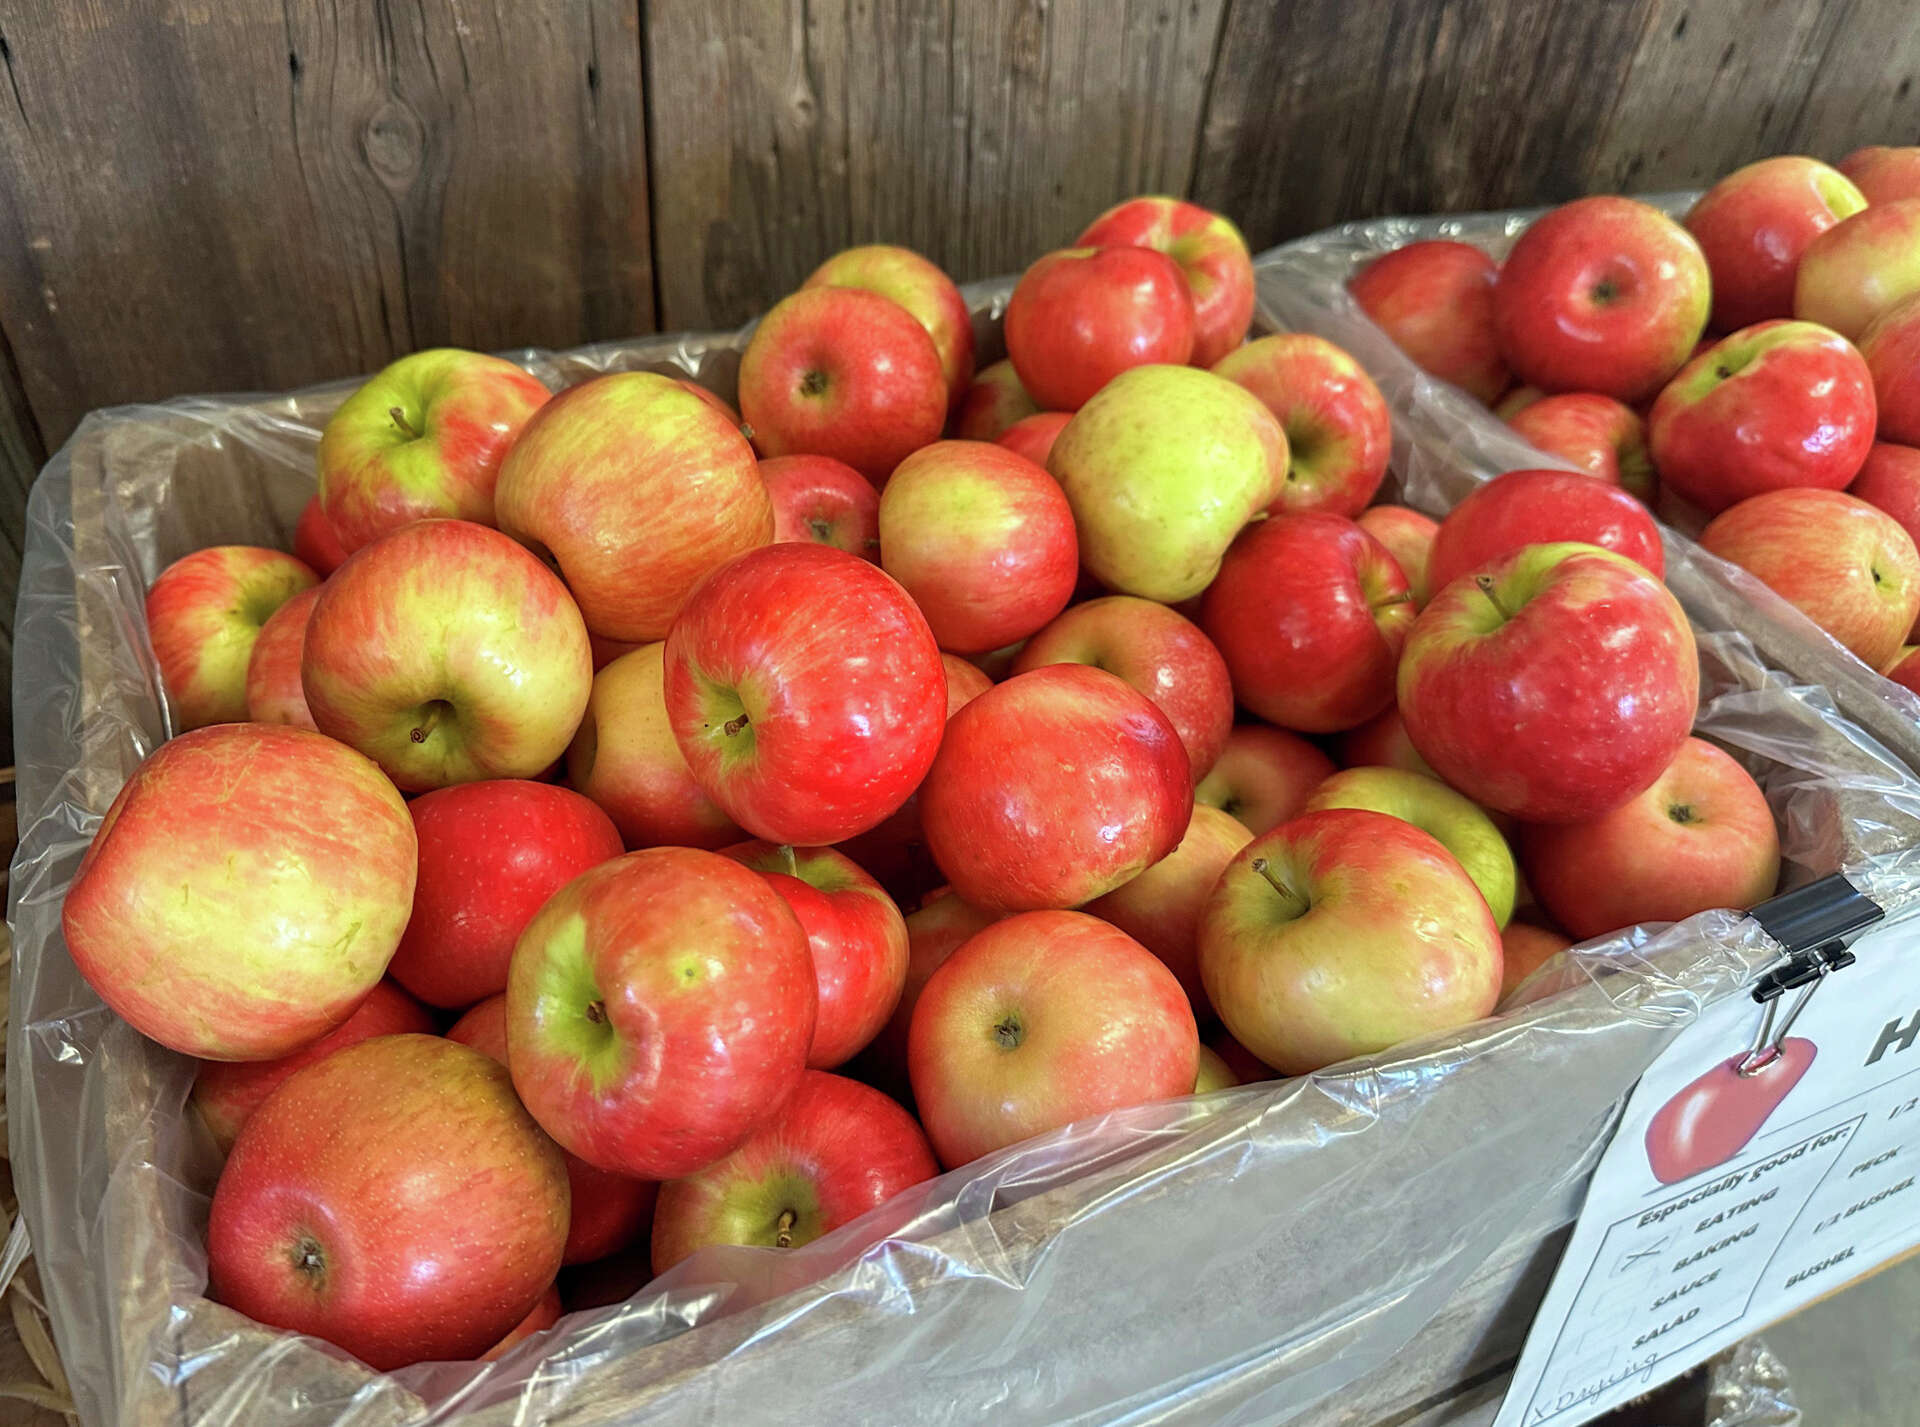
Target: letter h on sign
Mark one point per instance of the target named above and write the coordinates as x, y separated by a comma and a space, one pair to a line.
1896, 1037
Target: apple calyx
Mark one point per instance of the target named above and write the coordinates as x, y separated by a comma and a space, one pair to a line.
783, 1231
400, 420
822, 529
596, 1012
1297, 904
309, 1261
1683, 813
1009, 1032
813, 382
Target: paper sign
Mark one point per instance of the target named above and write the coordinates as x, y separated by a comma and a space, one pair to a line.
1726, 1201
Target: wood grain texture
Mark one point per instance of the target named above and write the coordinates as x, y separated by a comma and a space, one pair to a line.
980, 134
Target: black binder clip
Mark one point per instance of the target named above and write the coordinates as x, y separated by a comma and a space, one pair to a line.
1816, 923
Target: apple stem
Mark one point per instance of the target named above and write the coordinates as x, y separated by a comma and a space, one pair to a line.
791, 863
400, 420
1266, 870
1404, 597
427, 725
746, 431
734, 725
597, 1012
783, 1238
1485, 582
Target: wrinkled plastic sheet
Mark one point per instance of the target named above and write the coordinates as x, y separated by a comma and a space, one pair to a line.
1257, 1257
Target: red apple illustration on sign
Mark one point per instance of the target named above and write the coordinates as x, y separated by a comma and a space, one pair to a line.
1711, 1119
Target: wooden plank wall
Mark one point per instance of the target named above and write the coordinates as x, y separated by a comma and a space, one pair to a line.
207, 195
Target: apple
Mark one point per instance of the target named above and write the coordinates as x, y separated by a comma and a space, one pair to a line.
1161, 907
1309, 612
1553, 685
624, 757
1891, 349
1847, 566
843, 372
1593, 433
1525, 949
1338, 432
1905, 669
1040, 1020
1056, 786
423, 439
1430, 805
204, 613
542, 1316
1380, 742
1700, 837
1858, 269
929, 296
226, 1093
314, 543
1247, 1067
1889, 480
837, 1149
856, 935
1408, 537
394, 1199
1539, 508
1516, 401
244, 891
712, 398
274, 692
1341, 933
1777, 405
1263, 776
935, 931
1210, 254
1214, 1073
1603, 294
636, 488
1883, 174
605, 651
1159, 652
816, 498
1753, 226
994, 402
1080, 317
659, 1010
445, 652
1033, 436
1435, 299
806, 693
1162, 469
609, 1211
983, 540
491, 853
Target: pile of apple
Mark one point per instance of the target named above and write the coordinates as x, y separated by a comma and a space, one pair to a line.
726, 785
1755, 369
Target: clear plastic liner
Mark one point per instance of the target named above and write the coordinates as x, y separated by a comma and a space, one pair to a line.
1261, 1256
1747, 1386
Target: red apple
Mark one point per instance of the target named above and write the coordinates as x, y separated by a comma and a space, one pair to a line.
659, 1010
1379, 743
1081, 316
982, 539
1700, 837
934, 932
496, 691
1033, 436
1525, 949
816, 498
314, 543
1263, 776
204, 613
1905, 669
1539, 508
605, 651
1889, 480
1408, 537
712, 398
423, 440
636, 488
244, 891
929, 295
1309, 612
609, 1210
542, 1316
1778, 405
1435, 299
1858, 269
394, 1199
1161, 907
624, 758
1553, 685
1160, 653
1593, 433
842, 372
1342, 933
1753, 226
1602, 294
1891, 348
491, 853
274, 691
855, 933
1210, 253
1054, 787
1883, 174
806, 693
1847, 566
838, 1149
226, 1093
994, 401
1338, 432
1040, 1020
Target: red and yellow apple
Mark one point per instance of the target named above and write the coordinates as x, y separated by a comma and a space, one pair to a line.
1891, 349
994, 402
1080, 317
1435, 299
819, 499
1338, 432
314, 543
929, 295
1539, 508
1889, 480
1210, 254
1591, 433
1754, 224
1033, 436
274, 691
1408, 537
1858, 269
1263, 776
1884, 174
204, 613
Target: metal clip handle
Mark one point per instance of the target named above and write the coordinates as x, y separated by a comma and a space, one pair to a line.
1803, 973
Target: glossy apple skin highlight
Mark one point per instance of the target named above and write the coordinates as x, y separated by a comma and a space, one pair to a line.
274, 691
1435, 299
903, 276
819, 499
1339, 434
1593, 433
1754, 224
1210, 254
1081, 316
205, 612
1539, 508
